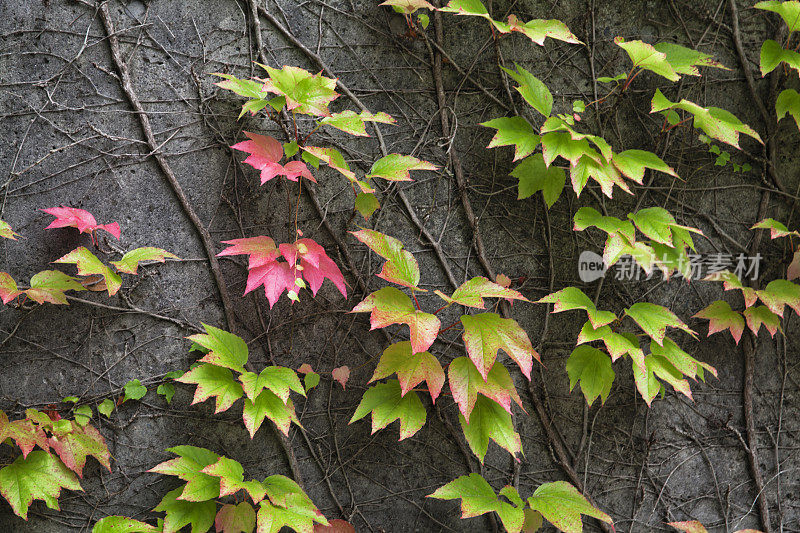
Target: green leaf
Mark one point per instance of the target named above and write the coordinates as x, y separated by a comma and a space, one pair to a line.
310, 381
761, 315
213, 381
617, 344
570, 298
645, 56
290, 149
562, 505
466, 382
246, 88
682, 361
89, 265
299, 515
253, 107
387, 403
180, 513
490, 421
188, 466
225, 349
391, 306
9, 289
353, 123
516, 132
779, 293
773, 54
39, 476
278, 379
609, 79
122, 524
396, 167
789, 11
423, 20
106, 407
366, 204
134, 390
592, 368
589, 217
558, 143
658, 366
6, 232
167, 390
532, 90
536, 30
655, 223
49, 286
486, 333
239, 518
655, 319
534, 176
604, 173
632, 163
476, 495
82, 415
722, 317
269, 405
685, 60
472, 292
304, 92
130, 261
411, 368
776, 229
713, 121
231, 479
401, 267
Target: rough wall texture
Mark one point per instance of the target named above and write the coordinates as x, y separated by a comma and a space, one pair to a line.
69, 136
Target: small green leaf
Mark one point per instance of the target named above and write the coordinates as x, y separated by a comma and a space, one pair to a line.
401, 267
655, 319
592, 368
130, 261
489, 420
225, 349
389, 306
134, 390
562, 504
685, 60
268, 405
88, 265
167, 390
534, 176
423, 20
213, 381
513, 131
571, 298
532, 90
310, 381
180, 513
366, 204
82, 415
477, 496
486, 333
106, 407
387, 404
396, 167
645, 56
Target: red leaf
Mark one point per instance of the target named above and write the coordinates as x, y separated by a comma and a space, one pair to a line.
260, 250
341, 374
337, 525
294, 169
265, 152
71, 217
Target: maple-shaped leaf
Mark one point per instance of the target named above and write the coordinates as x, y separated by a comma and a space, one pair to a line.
239, 518
722, 317
466, 383
685, 60
278, 379
260, 250
181, 513
265, 154
387, 403
8, 288
570, 298
788, 102
6, 232
89, 265
604, 173
188, 466
655, 319
773, 54
617, 344
489, 421
396, 167
516, 132
122, 524
559, 124
472, 292
789, 11
657, 366
305, 92
645, 56
246, 88
486, 333
759, 315
341, 375
538, 29
299, 515
366, 203
411, 368
562, 505
632, 163
50, 286
231, 479
268, 405
84, 221
559, 143
592, 369
717, 123
24, 433
401, 267
587, 217
353, 123
534, 176
391, 306
130, 261
776, 229
731, 281
213, 381
532, 90
779, 293
74, 443
407, 7
476, 495
39, 476
224, 349
314, 264
682, 361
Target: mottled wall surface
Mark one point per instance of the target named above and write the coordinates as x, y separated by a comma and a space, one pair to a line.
69, 136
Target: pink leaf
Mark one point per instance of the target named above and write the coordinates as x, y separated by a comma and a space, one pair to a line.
71, 217
305, 368
265, 152
341, 374
294, 169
